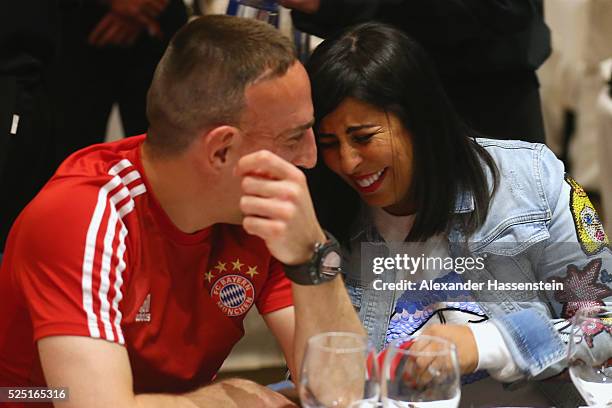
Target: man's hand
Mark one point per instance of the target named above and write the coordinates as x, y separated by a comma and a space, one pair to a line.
114, 29
305, 6
143, 11
277, 207
462, 337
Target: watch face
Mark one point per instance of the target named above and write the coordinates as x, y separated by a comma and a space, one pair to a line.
331, 260
331, 264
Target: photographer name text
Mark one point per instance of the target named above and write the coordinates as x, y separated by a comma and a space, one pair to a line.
468, 285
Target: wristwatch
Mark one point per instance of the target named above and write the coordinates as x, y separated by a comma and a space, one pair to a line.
325, 264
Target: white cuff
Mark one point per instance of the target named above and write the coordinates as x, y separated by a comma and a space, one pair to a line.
493, 354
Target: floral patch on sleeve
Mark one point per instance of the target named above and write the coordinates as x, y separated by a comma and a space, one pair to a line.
589, 228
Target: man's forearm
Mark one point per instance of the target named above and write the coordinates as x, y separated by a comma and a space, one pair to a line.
322, 308
230, 393
161, 401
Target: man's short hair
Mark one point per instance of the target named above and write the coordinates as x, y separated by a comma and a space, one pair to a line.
200, 81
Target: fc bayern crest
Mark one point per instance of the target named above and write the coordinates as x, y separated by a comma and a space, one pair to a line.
233, 294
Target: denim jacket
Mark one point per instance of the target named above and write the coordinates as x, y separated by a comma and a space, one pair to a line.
540, 226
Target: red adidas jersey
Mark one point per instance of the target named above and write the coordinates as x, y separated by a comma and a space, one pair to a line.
95, 255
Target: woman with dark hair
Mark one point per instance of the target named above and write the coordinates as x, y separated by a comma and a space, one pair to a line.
398, 165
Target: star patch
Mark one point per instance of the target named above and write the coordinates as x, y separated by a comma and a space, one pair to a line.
209, 276
581, 288
589, 228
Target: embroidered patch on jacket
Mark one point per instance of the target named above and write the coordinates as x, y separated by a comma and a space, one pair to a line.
581, 288
415, 308
589, 228
594, 327
606, 277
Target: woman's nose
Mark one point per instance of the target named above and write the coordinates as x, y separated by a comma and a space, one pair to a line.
349, 159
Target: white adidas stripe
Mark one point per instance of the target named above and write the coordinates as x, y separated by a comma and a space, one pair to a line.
88, 257
107, 255
119, 281
131, 176
138, 190
120, 195
108, 251
117, 168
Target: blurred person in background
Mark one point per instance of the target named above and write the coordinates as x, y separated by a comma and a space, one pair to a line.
486, 52
28, 42
108, 53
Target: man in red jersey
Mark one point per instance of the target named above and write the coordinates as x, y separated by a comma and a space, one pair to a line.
128, 277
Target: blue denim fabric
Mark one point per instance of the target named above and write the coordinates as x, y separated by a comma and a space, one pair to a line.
519, 327
529, 233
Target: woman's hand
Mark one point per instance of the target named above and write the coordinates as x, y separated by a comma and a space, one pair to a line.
463, 339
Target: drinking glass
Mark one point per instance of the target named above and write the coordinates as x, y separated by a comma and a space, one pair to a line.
590, 354
422, 372
338, 369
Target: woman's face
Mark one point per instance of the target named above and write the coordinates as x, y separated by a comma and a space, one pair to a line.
371, 151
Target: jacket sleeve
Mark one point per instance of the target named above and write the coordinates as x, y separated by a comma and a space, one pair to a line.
577, 254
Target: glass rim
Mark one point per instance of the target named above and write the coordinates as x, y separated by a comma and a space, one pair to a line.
452, 349
366, 403
337, 334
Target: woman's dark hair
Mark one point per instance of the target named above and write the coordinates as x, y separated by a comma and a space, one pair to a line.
381, 66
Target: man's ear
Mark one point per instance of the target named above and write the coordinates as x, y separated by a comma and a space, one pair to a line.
220, 144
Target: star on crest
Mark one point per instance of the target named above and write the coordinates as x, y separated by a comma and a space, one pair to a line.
220, 266
252, 271
209, 276
581, 288
237, 265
